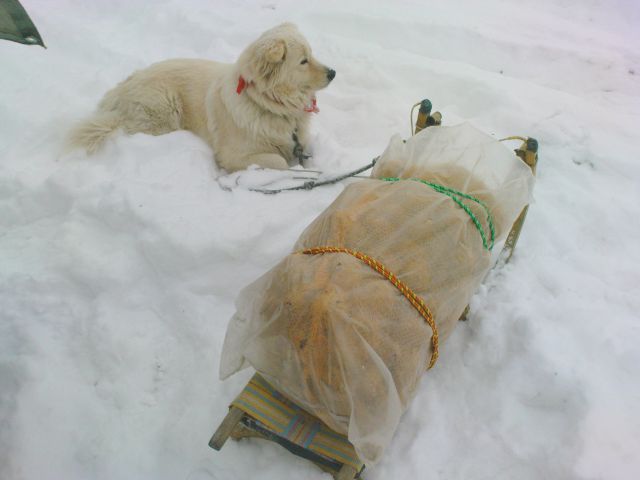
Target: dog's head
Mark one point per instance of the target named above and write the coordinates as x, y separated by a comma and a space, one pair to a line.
280, 67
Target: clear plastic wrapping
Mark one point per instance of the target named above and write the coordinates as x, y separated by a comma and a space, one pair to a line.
339, 338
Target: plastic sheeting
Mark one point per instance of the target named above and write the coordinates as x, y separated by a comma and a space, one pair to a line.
339, 338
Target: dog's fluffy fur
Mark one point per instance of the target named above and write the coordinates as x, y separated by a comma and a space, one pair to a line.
255, 126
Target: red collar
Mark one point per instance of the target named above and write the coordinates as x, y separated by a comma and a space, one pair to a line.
242, 84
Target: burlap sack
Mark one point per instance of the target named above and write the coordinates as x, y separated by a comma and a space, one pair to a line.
339, 338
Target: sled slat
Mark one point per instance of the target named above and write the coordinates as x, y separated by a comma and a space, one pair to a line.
528, 153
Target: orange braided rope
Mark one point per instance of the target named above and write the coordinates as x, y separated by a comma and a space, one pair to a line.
415, 300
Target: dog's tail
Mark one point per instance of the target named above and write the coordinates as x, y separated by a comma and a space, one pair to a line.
93, 132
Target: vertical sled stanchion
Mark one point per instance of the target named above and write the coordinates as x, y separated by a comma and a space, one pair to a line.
528, 152
233, 417
346, 473
425, 118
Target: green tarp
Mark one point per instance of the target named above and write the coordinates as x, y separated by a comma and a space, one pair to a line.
15, 24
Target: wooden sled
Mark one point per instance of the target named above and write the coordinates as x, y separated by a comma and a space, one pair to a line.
261, 411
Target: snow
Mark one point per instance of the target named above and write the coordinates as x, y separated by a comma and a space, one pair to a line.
118, 272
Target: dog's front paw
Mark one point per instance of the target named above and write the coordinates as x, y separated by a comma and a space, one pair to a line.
268, 160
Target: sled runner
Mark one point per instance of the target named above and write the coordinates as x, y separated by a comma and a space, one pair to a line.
262, 411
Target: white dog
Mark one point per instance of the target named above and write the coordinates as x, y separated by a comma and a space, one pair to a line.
255, 111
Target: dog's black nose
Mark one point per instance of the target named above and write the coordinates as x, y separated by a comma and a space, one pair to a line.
331, 74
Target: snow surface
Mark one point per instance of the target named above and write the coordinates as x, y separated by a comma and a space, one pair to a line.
118, 272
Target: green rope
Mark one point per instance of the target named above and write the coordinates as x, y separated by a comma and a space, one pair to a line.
456, 196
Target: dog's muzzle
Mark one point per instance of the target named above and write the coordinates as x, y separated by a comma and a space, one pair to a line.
331, 74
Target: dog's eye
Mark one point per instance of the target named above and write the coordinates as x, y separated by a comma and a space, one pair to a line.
304, 61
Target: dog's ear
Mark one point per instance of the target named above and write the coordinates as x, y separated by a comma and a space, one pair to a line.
264, 58
275, 51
